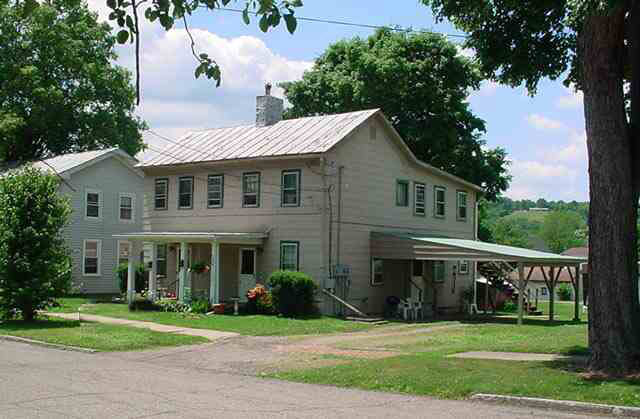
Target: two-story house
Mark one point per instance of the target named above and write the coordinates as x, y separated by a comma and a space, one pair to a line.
305, 194
105, 190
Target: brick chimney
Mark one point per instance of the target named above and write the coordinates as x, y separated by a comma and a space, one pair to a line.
268, 108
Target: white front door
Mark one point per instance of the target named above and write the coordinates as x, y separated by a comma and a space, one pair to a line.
247, 277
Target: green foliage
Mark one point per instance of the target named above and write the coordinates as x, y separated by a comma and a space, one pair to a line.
142, 304
560, 230
60, 90
293, 293
259, 301
141, 279
173, 306
200, 305
509, 306
421, 83
35, 266
511, 232
564, 292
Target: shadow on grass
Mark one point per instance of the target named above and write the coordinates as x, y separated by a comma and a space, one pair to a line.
527, 321
578, 366
19, 325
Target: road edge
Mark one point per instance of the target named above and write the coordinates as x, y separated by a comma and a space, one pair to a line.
46, 344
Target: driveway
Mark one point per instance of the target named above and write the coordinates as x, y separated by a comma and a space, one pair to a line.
204, 381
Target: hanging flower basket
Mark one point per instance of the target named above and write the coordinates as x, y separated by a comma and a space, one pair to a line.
200, 268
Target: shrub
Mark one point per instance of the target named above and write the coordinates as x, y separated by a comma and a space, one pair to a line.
292, 293
509, 306
142, 304
173, 306
200, 305
141, 280
259, 301
35, 264
564, 292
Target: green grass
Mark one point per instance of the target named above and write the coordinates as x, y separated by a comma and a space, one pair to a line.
257, 325
102, 337
69, 304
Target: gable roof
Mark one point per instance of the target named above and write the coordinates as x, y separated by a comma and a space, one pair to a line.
306, 136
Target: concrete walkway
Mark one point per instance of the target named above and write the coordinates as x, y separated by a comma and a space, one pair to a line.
516, 356
205, 333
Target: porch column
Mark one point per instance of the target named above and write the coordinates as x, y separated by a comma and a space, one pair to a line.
520, 291
576, 296
183, 270
131, 287
153, 275
214, 283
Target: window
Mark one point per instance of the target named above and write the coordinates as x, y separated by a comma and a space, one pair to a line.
419, 199
124, 252
289, 255
402, 193
418, 267
439, 202
438, 271
543, 291
291, 188
251, 190
91, 255
377, 271
185, 192
93, 202
161, 194
215, 191
462, 206
127, 203
161, 259
463, 267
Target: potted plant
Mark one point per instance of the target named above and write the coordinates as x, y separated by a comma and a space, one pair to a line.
200, 267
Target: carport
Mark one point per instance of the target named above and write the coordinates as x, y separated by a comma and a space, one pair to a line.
387, 245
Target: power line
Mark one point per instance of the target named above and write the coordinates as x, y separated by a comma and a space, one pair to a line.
58, 175
358, 25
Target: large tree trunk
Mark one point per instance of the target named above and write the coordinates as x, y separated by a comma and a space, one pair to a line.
614, 330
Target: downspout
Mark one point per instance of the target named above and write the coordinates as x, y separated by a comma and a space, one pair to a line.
339, 215
475, 264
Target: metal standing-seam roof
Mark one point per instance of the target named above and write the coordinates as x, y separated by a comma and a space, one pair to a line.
291, 137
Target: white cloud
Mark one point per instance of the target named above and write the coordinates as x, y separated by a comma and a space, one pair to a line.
533, 179
575, 151
571, 99
545, 124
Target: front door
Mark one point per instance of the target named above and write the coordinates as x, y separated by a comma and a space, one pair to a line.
247, 278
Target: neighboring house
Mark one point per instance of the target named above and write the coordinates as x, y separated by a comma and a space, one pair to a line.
537, 283
106, 199
304, 194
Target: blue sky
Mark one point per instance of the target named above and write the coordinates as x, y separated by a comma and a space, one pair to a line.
543, 135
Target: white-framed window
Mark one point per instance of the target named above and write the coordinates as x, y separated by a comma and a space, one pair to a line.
124, 251
439, 201
438, 271
290, 188
251, 190
215, 191
127, 207
419, 202
185, 192
377, 271
463, 267
93, 204
402, 193
91, 257
161, 194
543, 291
462, 205
289, 255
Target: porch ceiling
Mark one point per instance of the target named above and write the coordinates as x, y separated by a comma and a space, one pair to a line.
195, 237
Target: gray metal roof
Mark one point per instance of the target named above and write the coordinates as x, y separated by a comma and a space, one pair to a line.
310, 135
70, 161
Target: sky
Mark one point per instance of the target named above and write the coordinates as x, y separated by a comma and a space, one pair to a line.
543, 135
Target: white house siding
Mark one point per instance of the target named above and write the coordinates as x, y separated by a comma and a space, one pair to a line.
371, 169
111, 177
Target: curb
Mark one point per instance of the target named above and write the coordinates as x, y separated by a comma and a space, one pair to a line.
562, 405
46, 344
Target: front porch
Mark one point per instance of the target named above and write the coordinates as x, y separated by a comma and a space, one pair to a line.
217, 266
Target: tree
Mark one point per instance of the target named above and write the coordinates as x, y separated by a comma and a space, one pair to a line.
421, 83
597, 43
561, 229
511, 231
35, 266
59, 89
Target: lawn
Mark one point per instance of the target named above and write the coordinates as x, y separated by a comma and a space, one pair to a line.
258, 325
102, 337
425, 369
69, 304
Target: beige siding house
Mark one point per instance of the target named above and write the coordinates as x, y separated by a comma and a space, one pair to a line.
316, 194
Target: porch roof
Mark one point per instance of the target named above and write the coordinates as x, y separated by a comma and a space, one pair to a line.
195, 237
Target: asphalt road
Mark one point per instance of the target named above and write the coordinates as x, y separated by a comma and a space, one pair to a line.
191, 382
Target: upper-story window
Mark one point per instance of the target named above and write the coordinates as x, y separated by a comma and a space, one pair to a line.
185, 192
161, 194
251, 190
462, 205
402, 193
93, 204
439, 202
215, 191
290, 188
126, 206
419, 203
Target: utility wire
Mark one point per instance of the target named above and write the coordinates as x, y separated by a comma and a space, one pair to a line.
58, 175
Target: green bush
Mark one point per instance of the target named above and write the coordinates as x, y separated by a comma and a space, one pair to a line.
141, 279
140, 304
564, 292
292, 293
173, 306
259, 301
510, 307
200, 305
